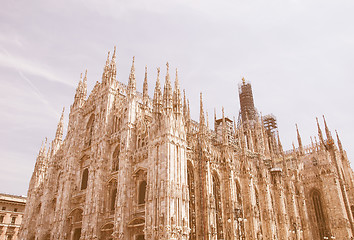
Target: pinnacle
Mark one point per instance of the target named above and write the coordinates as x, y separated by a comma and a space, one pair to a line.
328, 133
132, 81
201, 117
176, 81
114, 53
107, 61
145, 85
158, 85
167, 79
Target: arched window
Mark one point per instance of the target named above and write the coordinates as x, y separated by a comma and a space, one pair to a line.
112, 194
320, 218
115, 159
107, 231
142, 192
76, 222
89, 130
84, 179
113, 199
191, 188
77, 234
218, 208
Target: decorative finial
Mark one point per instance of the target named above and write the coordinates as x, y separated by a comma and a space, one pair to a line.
243, 81
168, 66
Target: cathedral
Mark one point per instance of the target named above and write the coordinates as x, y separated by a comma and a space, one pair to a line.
134, 167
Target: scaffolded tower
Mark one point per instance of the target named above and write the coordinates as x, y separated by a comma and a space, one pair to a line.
248, 112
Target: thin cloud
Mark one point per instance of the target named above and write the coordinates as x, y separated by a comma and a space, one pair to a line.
39, 94
20, 64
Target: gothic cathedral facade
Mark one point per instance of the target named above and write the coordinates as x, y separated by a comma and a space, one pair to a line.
133, 167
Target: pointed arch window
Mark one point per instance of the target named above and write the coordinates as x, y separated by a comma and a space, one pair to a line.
142, 192
84, 179
320, 218
191, 188
115, 159
89, 130
218, 208
112, 194
107, 231
76, 222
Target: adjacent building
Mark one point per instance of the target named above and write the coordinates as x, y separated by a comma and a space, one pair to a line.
133, 167
11, 214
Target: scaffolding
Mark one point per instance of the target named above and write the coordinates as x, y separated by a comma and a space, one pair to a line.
270, 124
248, 111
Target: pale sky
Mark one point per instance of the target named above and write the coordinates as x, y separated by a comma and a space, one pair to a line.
298, 55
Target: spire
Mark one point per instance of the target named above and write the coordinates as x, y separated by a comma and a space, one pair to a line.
320, 136
223, 127
79, 93
207, 121
105, 70
145, 88
41, 149
157, 94
113, 67
167, 92
185, 108
84, 85
316, 144
45, 146
339, 144
299, 140
294, 149
328, 133
59, 133
280, 146
189, 111
177, 101
201, 114
235, 130
132, 82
